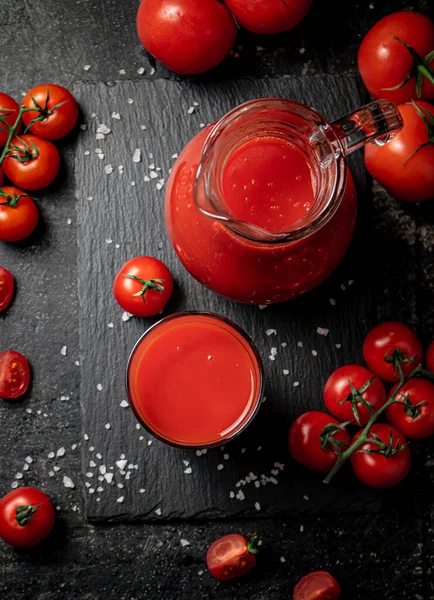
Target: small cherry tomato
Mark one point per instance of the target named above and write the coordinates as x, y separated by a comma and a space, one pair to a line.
32, 163
27, 517
316, 439
414, 415
353, 393
55, 114
143, 286
384, 460
396, 58
429, 360
187, 36
231, 556
7, 287
404, 166
14, 374
9, 110
18, 214
318, 585
269, 16
392, 341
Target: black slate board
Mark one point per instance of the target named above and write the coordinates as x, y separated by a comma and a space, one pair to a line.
119, 216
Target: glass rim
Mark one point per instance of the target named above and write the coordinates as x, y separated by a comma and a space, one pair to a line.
257, 357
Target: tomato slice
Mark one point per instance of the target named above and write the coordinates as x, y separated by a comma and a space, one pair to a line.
14, 374
7, 287
230, 556
318, 585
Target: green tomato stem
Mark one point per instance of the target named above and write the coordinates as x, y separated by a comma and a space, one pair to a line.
426, 72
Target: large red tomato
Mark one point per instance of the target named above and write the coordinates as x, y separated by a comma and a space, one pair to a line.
32, 162
384, 461
269, 16
316, 439
396, 58
413, 412
55, 114
187, 36
27, 516
388, 341
353, 393
9, 110
404, 166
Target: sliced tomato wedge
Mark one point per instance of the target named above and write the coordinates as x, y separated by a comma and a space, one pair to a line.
14, 374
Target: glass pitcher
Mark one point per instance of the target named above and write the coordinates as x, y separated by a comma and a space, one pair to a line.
261, 206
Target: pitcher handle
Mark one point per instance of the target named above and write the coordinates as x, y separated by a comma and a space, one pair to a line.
377, 122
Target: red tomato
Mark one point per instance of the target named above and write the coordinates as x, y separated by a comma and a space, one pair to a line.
143, 286
382, 470
385, 62
414, 415
14, 374
387, 339
26, 517
7, 287
18, 214
404, 166
269, 16
348, 394
311, 447
430, 358
55, 114
318, 585
32, 163
187, 36
231, 556
9, 110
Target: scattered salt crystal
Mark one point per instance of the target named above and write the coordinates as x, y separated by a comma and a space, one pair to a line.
103, 469
200, 573
191, 110
152, 71
240, 495
120, 499
108, 241
86, 437
343, 288
116, 115
262, 306
124, 404
91, 449
332, 301
51, 455
257, 506
108, 477
92, 463
56, 468
188, 471
108, 169
153, 175
302, 50
282, 559
186, 462
175, 155
74, 446
89, 474
101, 155
99, 489
143, 127
130, 101
300, 344
271, 332
120, 485
350, 282
86, 152
68, 221
103, 129
14, 484
306, 498
121, 464
100, 136
296, 383
285, 372
185, 543
67, 482
18, 475
140, 71
231, 495
301, 528
220, 467
61, 452
122, 72
83, 127
142, 491
274, 472
137, 156
338, 346
29, 460
314, 353
159, 186
126, 316
226, 456
146, 178
99, 387
259, 448
86, 67
322, 331
257, 484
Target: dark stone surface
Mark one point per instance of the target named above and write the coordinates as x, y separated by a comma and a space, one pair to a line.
386, 556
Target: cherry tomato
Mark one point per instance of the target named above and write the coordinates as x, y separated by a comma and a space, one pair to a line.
32, 163
7, 287
14, 374
430, 358
9, 110
318, 585
27, 517
385, 469
312, 448
344, 389
404, 166
390, 340
269, 16
231, 556
18, 214
187, 36
392, 70
55, 114
414, 415
143, 286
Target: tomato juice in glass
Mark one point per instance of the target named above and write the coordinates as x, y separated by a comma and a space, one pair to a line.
260, 207
195, 380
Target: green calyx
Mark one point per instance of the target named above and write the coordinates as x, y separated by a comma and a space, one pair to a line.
355, 397
396, 359
412, 410
428, 119
43, 111
328, 440
10, 201
420, 70
148, 284
23, 153
253, 545
23, 514
388, 449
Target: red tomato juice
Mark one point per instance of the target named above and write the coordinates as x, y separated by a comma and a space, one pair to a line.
195, 380
267, 181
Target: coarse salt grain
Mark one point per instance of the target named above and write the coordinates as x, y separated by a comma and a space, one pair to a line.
124, 404
108, 169
188, 471
126, 316
220, 467
61, 452
99, 387
103, 129
120, 499
137, 156
185, 543
121, 464
140, 71
86, 67
240, 495
29, 459
285, 372
332, 301
296, 383
322, 331
67, 482
257, 506
314, 353
271, 332
108, 477
116, 115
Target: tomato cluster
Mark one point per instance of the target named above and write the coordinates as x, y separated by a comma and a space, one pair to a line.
356, 396
30, 161
191, 37
396, 62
